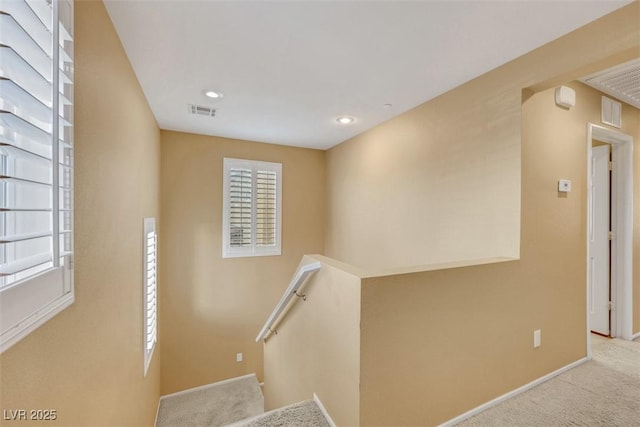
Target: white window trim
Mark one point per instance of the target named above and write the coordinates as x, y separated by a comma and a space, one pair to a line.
39, 296
250, 251
27, 304
149, 271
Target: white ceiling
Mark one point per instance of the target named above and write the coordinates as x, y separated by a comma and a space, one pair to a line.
287, 69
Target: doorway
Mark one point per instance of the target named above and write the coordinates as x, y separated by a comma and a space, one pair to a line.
600, 238
609, 292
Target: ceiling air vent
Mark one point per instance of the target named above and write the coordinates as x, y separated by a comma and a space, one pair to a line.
621, 82
202, 110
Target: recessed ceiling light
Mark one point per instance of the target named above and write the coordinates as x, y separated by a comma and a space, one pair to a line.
345, 120
213, 94
387, 105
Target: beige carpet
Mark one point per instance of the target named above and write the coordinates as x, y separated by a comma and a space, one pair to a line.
217, 405
303, 414
604, 391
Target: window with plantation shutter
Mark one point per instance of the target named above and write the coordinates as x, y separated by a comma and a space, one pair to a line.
36, 164
251, 208
150, 297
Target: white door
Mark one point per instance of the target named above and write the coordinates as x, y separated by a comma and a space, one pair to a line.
599, 261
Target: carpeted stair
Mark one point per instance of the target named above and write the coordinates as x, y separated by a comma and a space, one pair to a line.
303, 414
215, 405
237, 402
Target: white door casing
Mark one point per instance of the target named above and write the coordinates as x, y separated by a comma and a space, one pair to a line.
622, 227
599, 261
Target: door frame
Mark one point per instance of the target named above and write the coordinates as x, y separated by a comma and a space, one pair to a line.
622, 227
599, 241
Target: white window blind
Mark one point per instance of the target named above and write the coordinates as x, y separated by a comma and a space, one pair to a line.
240, 202
251, 208
266, 208
36, 164
150, 309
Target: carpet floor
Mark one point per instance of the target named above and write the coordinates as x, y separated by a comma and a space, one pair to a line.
303, 414
216, 405
604, 391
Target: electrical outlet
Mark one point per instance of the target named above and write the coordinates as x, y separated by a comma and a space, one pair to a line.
239, 357
536, 338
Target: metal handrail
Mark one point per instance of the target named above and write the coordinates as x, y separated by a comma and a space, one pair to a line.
292, 290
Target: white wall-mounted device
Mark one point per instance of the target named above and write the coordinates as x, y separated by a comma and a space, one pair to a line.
565, 97
564, 186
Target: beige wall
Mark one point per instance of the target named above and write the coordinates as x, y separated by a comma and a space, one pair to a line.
636, 217
317, 348
630, 117
636, 232
438, 343
442, 181
87, 362
464, 335
415, 191
212, 308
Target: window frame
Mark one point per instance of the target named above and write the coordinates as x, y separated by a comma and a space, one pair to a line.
29, 302
253, 250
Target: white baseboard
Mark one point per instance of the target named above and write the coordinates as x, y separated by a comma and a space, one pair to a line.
323, 410
202, 387
511, 394
635, 336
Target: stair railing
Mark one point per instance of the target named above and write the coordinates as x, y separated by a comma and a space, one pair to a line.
292, 290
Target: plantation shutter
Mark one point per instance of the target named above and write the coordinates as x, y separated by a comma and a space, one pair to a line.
240, 198
36, 160
266, 208
251, 208
150, 308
